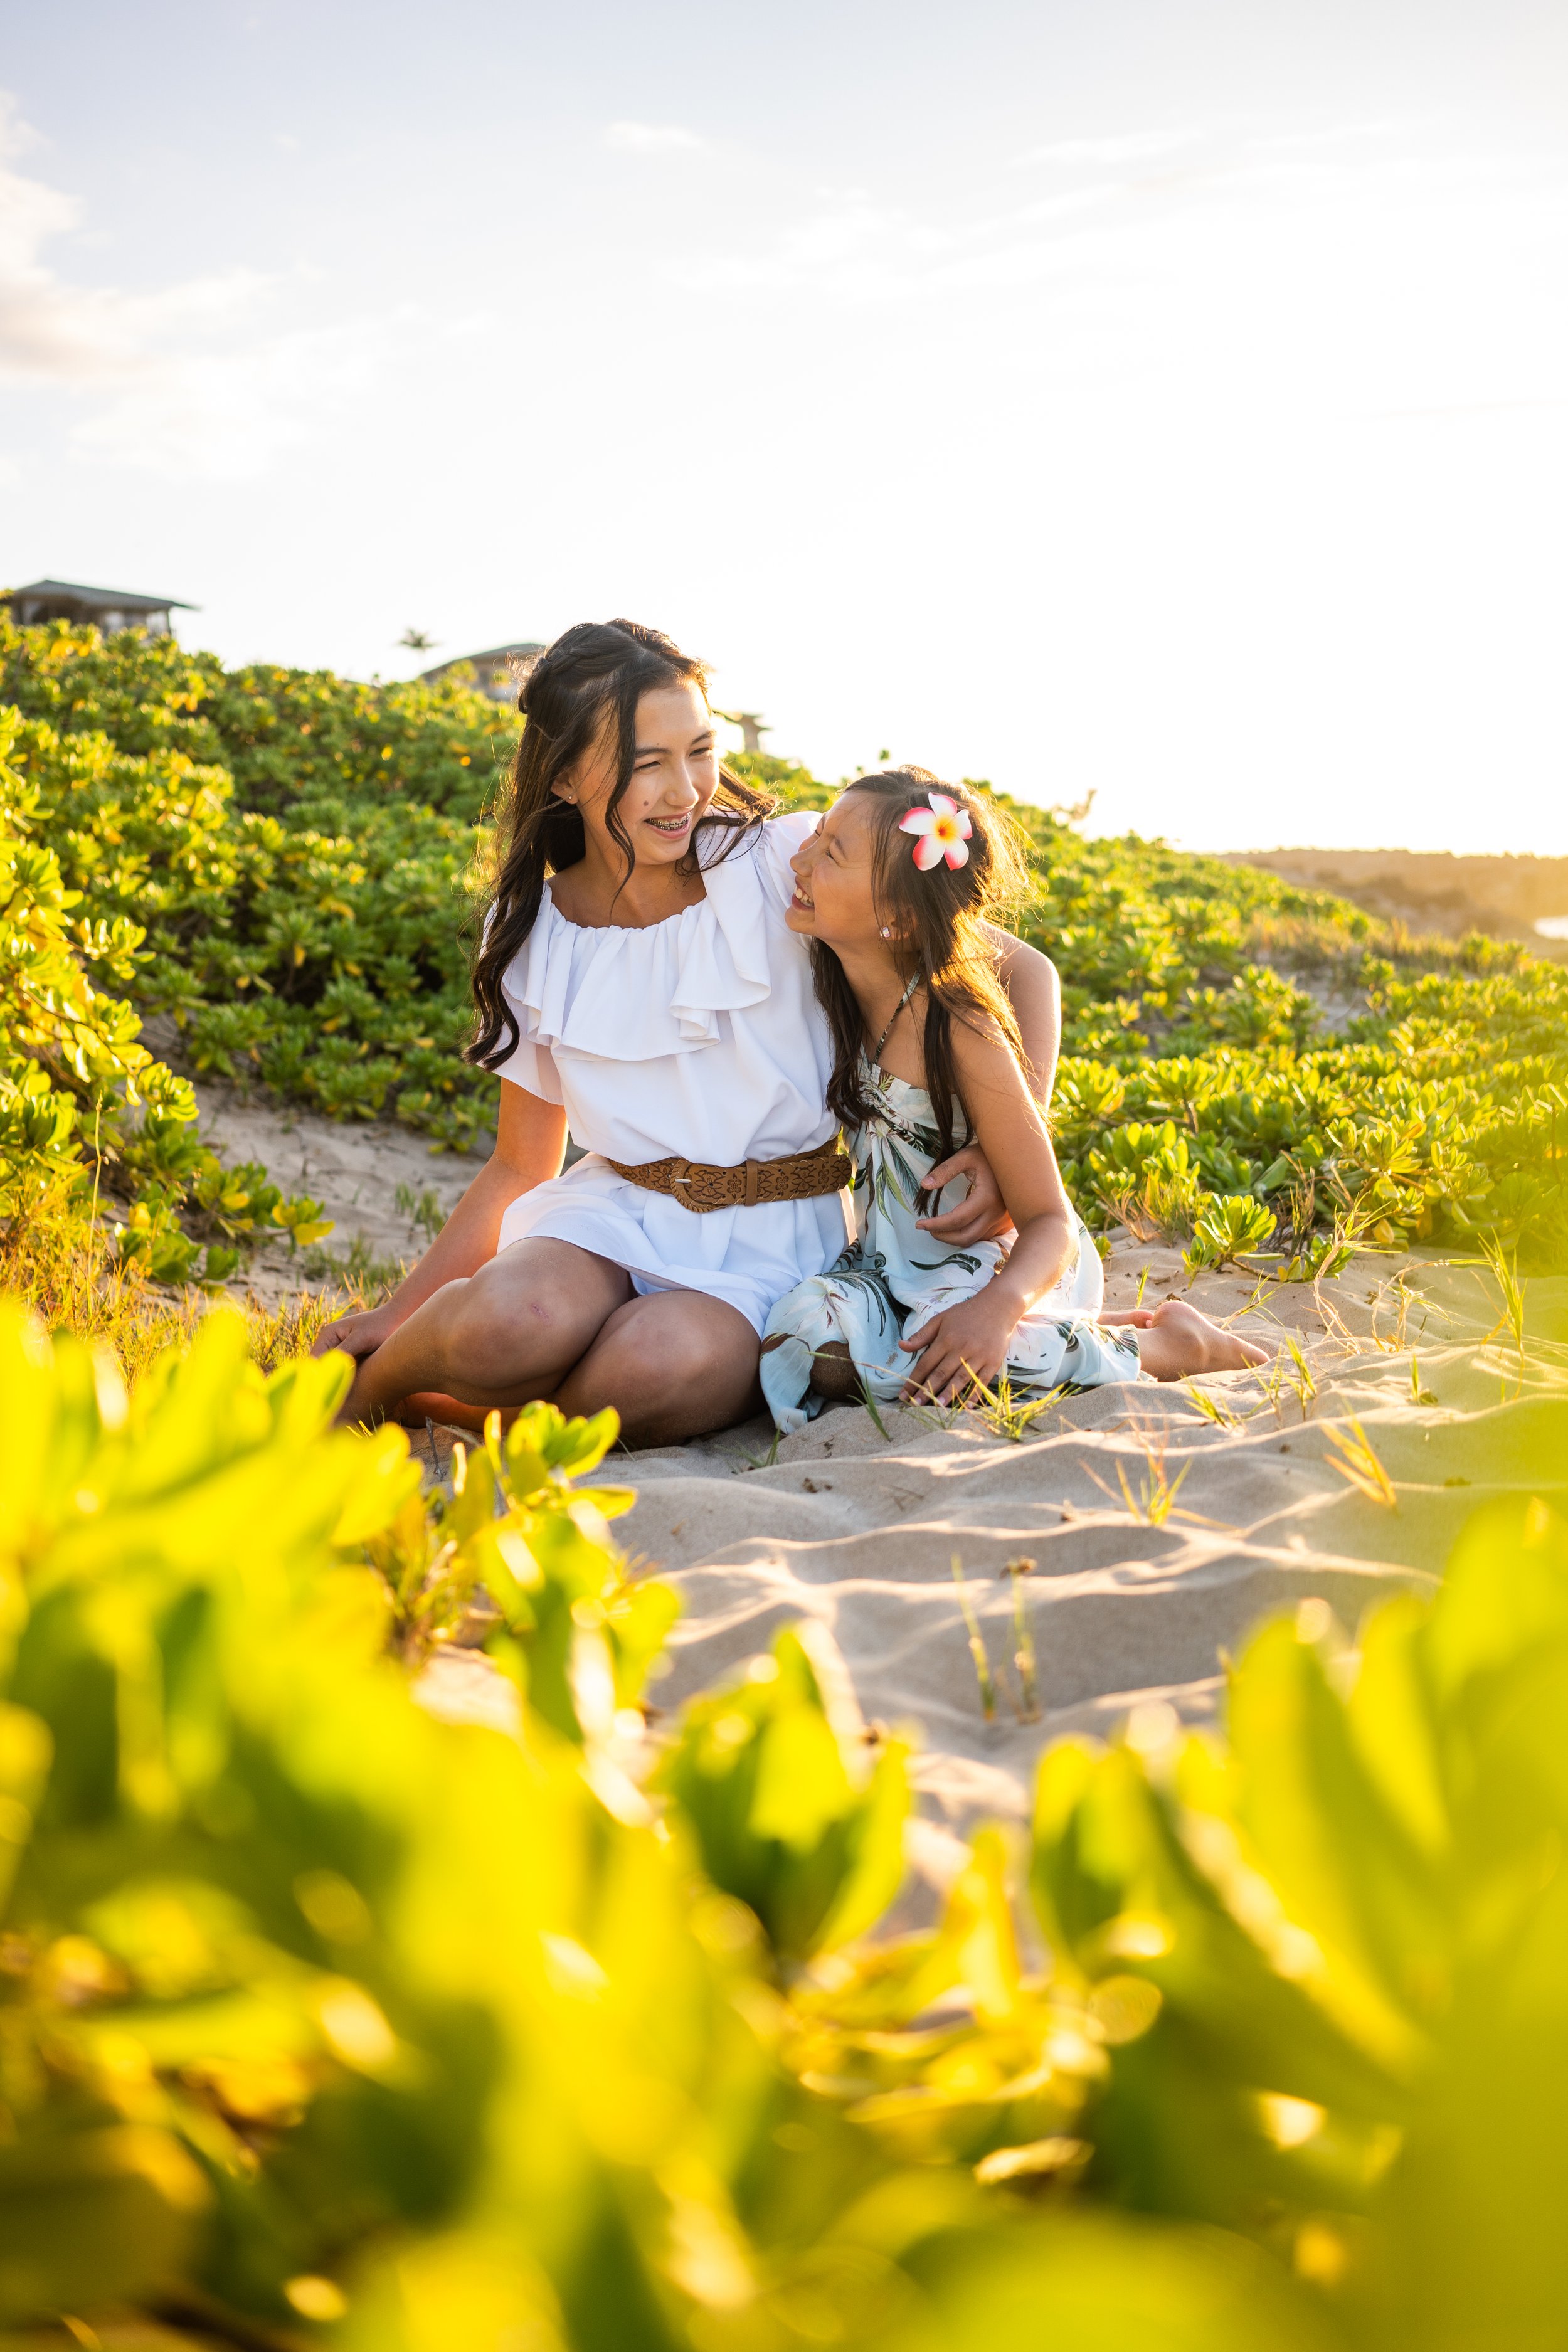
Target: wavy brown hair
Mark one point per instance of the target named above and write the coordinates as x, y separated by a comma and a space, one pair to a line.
938, 921
594, 674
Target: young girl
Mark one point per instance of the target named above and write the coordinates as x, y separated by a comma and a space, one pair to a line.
639, 980
892, 891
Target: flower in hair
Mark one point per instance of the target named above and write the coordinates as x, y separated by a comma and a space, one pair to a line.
943, 831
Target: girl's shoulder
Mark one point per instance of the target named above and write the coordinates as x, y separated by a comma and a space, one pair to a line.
984, 1058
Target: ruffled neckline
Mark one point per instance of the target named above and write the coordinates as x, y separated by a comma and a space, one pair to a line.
625, 994
547, 899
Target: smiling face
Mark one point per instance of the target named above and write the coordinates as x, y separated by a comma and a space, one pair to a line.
836, 878
675, 774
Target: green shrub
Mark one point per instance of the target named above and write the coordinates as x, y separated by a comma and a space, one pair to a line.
298, 849
70, 1062
288, 739
91, 1128
575, 1633
304, 853
791, 1813
301, 1981
1228, 1227
1352, 1924
328, 2021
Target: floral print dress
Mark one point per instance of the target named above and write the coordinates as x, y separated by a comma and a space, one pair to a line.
893, 1276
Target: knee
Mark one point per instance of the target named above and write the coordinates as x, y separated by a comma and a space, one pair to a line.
691, 1356
697, 1356
481, 1316
534, 1323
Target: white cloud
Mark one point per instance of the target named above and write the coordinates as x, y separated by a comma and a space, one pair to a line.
44, 333
195, 376
651, 139
849, 250
1302, 272
79, 336
1129, 147
225, 415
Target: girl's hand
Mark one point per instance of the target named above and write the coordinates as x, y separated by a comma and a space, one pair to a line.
961, 1345
360, 1334
982, 1216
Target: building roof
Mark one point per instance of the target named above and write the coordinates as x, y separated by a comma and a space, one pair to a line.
491, 653
118, 600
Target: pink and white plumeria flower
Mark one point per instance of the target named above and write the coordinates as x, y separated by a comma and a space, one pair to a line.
944, 830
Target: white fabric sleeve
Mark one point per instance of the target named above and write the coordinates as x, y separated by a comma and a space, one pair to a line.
782, 838
533, 1069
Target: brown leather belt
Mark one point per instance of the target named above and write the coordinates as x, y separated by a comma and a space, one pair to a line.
803, 1176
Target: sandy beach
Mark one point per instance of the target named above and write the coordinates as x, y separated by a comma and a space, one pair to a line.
1159, 1534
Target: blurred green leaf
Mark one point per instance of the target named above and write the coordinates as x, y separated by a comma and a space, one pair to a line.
788, 1809
93, 2216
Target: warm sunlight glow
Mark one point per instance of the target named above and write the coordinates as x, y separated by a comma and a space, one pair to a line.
1163, 405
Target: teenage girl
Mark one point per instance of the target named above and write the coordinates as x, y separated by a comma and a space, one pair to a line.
894, 890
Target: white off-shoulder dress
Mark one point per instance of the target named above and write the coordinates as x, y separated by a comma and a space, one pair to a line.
698, 1037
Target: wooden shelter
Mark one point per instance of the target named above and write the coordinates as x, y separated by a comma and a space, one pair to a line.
109, 609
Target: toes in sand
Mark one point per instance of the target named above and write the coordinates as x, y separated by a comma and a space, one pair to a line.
1194, 1344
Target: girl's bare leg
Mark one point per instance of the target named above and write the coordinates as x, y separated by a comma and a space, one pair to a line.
832, 1372
674, 1365
1177, 1341
503, 1336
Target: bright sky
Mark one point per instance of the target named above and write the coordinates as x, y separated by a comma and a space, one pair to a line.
1166, 397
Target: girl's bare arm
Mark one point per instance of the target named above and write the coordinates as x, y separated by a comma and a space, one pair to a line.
971, 1340
1034, 987
1034, 990
531, 1143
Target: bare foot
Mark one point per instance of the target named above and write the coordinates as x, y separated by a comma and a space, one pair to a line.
1178, 1341
448, 1413
414, 1411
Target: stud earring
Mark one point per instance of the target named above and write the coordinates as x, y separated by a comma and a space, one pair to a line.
887, 931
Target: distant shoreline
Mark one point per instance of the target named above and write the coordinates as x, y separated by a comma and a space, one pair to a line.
1433, 891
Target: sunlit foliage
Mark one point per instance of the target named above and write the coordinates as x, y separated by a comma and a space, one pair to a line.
298, 849
305, 855
323, 2019
93, 1130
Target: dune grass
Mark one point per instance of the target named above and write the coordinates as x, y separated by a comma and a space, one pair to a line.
66, 1270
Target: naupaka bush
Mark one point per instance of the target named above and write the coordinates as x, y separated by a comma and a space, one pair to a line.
324, 2020
297, 848
327, 2020
90, 1123
304, 853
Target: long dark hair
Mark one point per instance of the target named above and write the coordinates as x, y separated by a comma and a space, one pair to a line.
937, 919
595, 671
